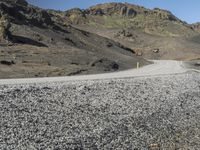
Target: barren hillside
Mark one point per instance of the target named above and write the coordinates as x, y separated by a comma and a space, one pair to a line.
34, 45
154, 34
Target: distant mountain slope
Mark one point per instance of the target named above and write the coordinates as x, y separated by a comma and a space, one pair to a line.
153, 34
124, 15
34, 43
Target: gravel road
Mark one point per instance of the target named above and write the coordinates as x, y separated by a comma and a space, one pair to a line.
159, 67
151, 112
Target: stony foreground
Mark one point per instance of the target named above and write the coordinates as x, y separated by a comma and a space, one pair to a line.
133, 113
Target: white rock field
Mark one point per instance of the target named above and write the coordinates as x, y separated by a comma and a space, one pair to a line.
154, 107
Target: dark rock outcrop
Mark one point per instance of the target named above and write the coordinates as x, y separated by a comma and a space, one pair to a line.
197, 64
156, 50
7, 62
25, 15
130, 12
105, 63
41, 18
21, 2
97, 12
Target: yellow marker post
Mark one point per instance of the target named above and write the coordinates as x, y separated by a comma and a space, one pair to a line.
138, 65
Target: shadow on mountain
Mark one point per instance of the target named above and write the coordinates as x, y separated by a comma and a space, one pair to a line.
25, 40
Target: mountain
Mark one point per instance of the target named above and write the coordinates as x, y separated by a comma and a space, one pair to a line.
146, 31
33, 43
123, 15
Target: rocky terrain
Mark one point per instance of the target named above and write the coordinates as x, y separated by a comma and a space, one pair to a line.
139, 28
104, 38
33, 44
133, 113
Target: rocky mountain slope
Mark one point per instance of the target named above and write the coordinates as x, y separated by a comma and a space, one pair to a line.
107, 37
154, 34
124, 15
33, 43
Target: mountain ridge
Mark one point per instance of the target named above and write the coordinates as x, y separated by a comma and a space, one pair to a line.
112, 15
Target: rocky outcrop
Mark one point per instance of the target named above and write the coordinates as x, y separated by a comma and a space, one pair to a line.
128, 10
125, 11
156, 50
76, 16
41, 17
164, 14
138, 51
196, 26
75, 11
144, 17
96, 12
124, 33
25, 15
112, 9
107, 64
21, 2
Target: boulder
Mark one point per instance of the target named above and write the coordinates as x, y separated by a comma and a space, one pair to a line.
156, 50
197, 64
139, 53
109, 44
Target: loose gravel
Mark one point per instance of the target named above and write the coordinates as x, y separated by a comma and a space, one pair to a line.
131, 113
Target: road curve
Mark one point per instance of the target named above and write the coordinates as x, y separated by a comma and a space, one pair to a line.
159, 67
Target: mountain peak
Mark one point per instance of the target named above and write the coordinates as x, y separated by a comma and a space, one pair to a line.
123, 9
128, 10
